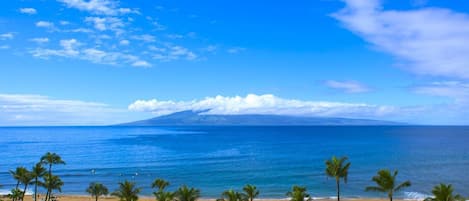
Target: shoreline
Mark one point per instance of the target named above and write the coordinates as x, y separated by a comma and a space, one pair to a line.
68, 197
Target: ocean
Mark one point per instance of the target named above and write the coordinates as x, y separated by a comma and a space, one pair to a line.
219, 158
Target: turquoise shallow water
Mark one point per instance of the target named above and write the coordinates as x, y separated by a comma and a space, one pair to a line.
214, 159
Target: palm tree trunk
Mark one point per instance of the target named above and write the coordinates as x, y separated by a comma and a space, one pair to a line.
50, 178
390, 198
35, 189
338, 189
96, 197
24, 192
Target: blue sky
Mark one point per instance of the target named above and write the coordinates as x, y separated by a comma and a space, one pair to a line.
87, 62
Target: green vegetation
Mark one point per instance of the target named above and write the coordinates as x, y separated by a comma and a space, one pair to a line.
386, 183
298, 193
185, 193
96, 190
127, 191
337, 168
161, 184
444, 192
38, 172
51, 181
251, 191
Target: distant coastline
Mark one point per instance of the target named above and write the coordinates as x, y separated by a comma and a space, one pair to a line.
198, 118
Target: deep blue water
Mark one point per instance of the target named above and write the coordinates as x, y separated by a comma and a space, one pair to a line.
215, 159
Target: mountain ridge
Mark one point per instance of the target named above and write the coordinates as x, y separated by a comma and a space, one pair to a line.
197, 118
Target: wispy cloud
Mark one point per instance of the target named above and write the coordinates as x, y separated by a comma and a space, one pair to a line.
72, 48
46, 24
30, 11
428, 41
236, 50
27, 109
145, 37
6, 36
100, 7
40, 40
106, 23
457, 90
263, 104
347, 86
171, 53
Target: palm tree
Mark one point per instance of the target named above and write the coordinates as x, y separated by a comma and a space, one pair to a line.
26, 179
387, 183
231, 195
187, 194
337, 168
52, 182
444, 192
96, 190
51, 159
38, 171
298, 193
17, 174
251, 191
161, 184
164, 196
127, 191
15, 194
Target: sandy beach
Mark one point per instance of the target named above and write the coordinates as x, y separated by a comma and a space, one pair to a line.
142, 198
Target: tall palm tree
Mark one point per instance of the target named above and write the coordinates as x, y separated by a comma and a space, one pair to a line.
161, 184
386, 183
127, 191
298, 193
164, 196
444, 192
185, 193
51, 159
251, 191
96, 190
337, 168
17, 174
26, 179
52, 182
38, 171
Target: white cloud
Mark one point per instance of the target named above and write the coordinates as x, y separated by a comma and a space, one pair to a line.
173, 53
264, 104
175, 36
46, 24
124, 42
69, 49
26, 109
106, 23
101, 7
457, 90
347, 86
73, 49
30, 11
63, 22
235, 50
4, 47
428, 41
141, 63
6, 36
145, 37
40, 40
